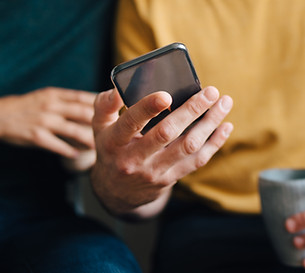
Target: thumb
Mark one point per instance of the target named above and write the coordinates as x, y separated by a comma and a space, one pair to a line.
106, 107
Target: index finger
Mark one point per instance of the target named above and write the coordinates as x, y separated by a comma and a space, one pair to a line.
174, 124
132, 121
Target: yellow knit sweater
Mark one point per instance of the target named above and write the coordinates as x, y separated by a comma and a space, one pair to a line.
252, 50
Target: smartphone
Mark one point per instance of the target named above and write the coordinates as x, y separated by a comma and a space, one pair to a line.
165, 69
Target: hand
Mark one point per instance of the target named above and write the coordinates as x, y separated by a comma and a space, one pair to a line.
134, 174
49, 118
295, 224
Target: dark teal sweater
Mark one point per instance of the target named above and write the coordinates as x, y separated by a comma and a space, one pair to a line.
65, 43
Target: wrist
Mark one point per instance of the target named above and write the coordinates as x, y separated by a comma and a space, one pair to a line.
121, 205
5, 109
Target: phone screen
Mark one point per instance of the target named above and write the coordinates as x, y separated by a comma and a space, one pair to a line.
167, 69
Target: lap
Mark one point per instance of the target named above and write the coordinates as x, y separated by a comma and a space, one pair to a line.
193, 239
65, 244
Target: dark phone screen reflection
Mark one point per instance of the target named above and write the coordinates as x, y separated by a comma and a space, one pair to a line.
171, 72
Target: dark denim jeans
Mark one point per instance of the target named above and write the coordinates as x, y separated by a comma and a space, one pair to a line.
195, 239
40, 238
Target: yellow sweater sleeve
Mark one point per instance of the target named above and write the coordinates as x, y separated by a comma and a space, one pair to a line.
133, 35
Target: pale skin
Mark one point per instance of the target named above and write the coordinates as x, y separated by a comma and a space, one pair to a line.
294, 224
134, 174
47, 118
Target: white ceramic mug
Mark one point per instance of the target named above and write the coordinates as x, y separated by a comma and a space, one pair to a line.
282, 193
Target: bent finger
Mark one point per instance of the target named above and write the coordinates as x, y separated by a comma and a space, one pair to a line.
299, 241
203, 156
81, 135
80, 96
46, 140
296, 222
193, 140
82, 113
78, 134
137, 116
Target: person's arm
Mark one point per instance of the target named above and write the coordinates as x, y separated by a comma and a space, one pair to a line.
133, 34
49, 118
134, 174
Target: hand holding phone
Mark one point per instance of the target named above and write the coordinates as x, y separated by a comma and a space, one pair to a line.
134, 175
165, 69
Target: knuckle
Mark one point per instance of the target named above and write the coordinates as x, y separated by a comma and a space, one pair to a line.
125, 168
163, 183
48, 102
201, 160
37, 135
149, 110
51, 92
218, 141
79, 96
127, 165
191, 145
131, 124
215, 118
218, 144
43, 121
165, 133
195, 107
154, 179
47, 106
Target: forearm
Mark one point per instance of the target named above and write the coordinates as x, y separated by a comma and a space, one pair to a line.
4, 110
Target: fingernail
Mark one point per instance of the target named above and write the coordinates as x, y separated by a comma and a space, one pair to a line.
161, 103
210, 94
227, 131
298, 241
290, 225
226, 103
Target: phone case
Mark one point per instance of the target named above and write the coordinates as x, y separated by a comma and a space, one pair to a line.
167, 69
